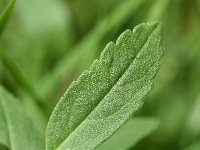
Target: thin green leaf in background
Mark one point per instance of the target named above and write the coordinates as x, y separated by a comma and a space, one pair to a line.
130, 134
19, 76
16, 130
5, 15
12, 67
109, 93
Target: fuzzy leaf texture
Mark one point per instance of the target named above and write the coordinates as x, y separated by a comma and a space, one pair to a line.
16, 129
106, 96
5, 15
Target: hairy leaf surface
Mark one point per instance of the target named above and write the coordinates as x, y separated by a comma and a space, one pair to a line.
16, 130
107, 95
130, 134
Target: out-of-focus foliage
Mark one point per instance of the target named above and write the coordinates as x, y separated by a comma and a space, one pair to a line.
41, 35
194, 146
6, 14
124, 138
17, 131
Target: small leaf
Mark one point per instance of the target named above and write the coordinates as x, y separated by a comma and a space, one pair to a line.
130, 134
16, 130
5, 15
109, 93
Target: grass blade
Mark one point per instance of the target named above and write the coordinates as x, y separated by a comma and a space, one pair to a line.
5, 15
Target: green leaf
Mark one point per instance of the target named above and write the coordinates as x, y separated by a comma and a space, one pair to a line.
20, 77
130, 134
5, 15
109, 93
10, 64
16, 130
119, 15
89, 45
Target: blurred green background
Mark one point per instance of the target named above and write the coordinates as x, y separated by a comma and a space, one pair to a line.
48, 43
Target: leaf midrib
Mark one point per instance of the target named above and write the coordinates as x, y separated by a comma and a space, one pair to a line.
125, 70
